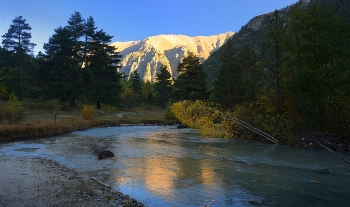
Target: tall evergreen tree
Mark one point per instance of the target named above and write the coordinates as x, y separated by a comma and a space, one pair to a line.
190, 83
80, 61
136, 82
163, 86
147, 91
273, 50
76, 25
88, 37
251, 75
317, 63
57, 69
104, 64
64, 60
17, 40
228, 85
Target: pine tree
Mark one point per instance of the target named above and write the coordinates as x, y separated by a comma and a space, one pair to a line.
79, 62
190, 83
104, 65
136, 82
273, 50
228, 85
58, 73
317, 60
147, 91
251, 75
76, 25
163, 86
17, 40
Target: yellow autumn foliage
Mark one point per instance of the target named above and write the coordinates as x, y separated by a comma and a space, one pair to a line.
87, 112
204, 116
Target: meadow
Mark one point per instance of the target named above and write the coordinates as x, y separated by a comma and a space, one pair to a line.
43, 119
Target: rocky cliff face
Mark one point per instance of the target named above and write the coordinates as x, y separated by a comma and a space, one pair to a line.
146, 56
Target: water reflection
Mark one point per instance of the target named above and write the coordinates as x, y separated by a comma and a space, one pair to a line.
208, 176
160, 175
163, 166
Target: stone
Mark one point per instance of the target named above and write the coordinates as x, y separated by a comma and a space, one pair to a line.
105, 154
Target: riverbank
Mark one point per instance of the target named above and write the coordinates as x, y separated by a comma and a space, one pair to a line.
40, 129
39, 123
31, 181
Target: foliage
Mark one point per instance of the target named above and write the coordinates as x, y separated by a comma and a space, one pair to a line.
169, 114
247, 62
317, 75
3, 91
228, 86
17, 42
299, 77
190, 84
205, 117
136, 82
163, 86
87, 112
13, 111
130, 98
103, 64
148, 92
272, 61
80, 63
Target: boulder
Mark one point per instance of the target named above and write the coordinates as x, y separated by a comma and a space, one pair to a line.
182, 126
104, 154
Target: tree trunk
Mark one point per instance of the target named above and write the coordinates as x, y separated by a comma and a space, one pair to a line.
72, 102
98, 104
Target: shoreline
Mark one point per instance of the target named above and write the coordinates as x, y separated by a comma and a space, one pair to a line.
34, 181
20, 132
333, 142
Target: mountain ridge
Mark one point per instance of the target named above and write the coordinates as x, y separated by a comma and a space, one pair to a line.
147, 55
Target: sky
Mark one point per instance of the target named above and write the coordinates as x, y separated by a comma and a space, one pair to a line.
130, 20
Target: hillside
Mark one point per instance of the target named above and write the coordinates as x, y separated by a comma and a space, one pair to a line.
254, 33
148, 54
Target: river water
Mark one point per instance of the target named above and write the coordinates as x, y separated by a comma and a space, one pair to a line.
165, 166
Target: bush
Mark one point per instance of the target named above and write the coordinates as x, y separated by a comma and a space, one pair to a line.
87, 112
13, 111
169, 114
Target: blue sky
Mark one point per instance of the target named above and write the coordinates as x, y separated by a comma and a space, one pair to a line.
128, 20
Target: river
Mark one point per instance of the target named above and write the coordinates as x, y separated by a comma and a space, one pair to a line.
165, 166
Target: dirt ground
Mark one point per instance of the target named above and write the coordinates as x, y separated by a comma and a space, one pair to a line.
32, 182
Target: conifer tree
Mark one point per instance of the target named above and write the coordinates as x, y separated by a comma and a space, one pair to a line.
317, 57
273, 50
228, 85
163, 86
58, 76
80, 61
251, 75
76, 25
104, 65
190, 83
136, 82
17, 40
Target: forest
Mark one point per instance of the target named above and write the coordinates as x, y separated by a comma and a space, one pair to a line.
290, 78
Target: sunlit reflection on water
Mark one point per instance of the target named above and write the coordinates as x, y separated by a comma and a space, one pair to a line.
164, 166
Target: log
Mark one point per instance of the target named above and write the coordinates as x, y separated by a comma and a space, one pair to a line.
315, 181
101, 183
332, 151
238, 161
339, 164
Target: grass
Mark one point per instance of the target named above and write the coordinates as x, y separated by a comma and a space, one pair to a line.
40, 122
